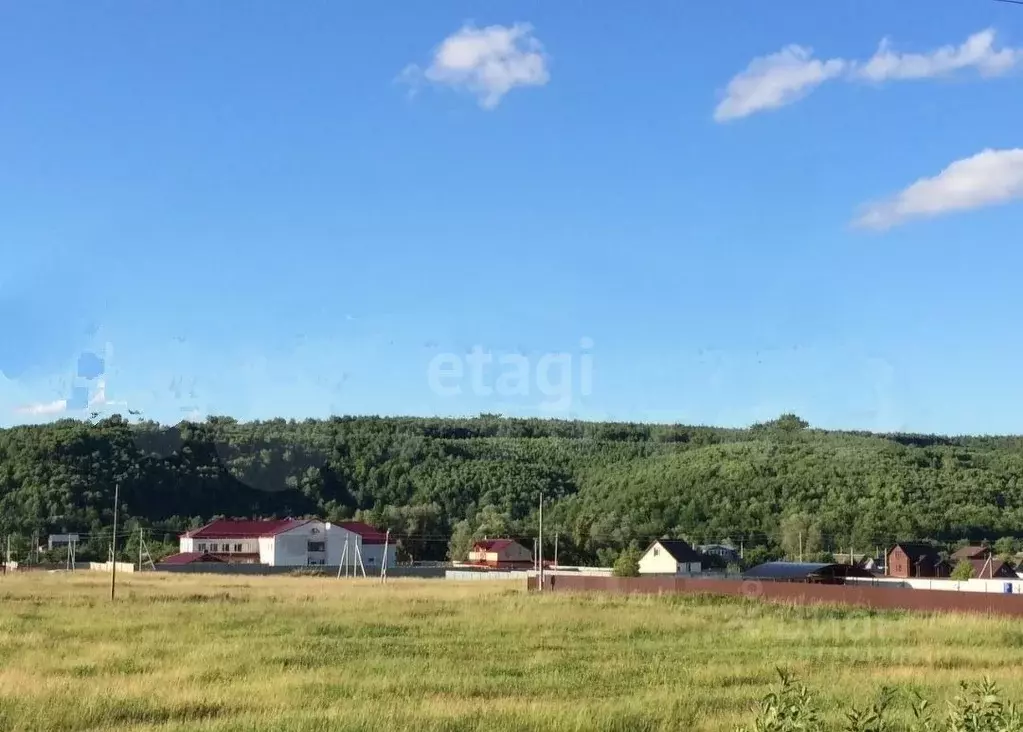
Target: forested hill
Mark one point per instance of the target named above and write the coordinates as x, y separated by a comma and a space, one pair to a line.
609, 484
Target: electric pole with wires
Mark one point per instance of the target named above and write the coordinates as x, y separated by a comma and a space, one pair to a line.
113, 544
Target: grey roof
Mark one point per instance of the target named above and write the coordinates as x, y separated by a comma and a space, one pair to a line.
795, 570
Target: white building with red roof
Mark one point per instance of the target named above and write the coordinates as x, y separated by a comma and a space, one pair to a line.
289, 543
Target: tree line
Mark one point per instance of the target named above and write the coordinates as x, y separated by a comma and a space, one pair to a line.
439, 484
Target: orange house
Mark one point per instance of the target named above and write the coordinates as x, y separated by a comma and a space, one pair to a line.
500, 553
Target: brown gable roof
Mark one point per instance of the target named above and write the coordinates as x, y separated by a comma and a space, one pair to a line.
990, 568
190, 558
972, 552
494, 545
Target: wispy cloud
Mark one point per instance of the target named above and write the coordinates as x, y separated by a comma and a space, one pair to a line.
44, 409
988, 178
773, 81
487, 62
977, 52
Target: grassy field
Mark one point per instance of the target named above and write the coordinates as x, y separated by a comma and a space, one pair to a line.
302, 653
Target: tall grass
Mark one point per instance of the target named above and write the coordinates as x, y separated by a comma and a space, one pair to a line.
253, 654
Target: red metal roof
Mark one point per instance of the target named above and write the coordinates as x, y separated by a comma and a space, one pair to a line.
369, 534
494, 545
189, 558
231, 529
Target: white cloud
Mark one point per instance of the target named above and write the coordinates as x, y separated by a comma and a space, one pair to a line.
488, 62
773, 81
46, 409
988, 178
770, 82
977, 52
98, 401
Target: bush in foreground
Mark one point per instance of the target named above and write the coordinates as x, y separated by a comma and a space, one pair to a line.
977, 708
627, 564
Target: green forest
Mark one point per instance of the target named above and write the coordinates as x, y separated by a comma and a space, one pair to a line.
439, 483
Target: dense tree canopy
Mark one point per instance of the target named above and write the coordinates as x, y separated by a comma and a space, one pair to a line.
439, 483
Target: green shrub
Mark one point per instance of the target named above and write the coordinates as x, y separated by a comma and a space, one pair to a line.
627, 564
977, 708
963, 571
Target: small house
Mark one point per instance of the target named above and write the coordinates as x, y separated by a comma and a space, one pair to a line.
670, 556
500, 553
183, 558
910, 559
991, 568
728, 554
59, 541
968, 553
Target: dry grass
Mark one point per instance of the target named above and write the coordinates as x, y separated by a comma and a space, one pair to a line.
178, 653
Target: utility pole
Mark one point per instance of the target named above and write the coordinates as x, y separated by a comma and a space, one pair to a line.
540, 543
383, 564
343, 566
358, 561
555, 549
800, 546
113, 544
7, 555
140, 547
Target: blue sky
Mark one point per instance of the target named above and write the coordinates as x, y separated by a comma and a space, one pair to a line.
731, 209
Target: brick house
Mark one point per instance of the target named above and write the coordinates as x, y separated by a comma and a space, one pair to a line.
908, 559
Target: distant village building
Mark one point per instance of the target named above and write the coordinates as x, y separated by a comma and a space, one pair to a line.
670, 556
500, 553
59, 541
967, 553
806, 572
874, 565
286, 543
191, 558
909, 559
726, 552
991, 568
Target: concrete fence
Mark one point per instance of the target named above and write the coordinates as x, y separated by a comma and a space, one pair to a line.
484, 576
996, 586
106, 566
62, 566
